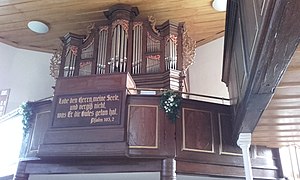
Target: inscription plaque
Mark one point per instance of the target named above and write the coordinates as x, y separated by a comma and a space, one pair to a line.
88, 109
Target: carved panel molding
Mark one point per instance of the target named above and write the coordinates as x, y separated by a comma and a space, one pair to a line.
143, 126
197, 127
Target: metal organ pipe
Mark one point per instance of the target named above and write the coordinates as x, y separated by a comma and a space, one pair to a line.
137, 49
125, 53
119, 50
101, 60
133, 51
113, 49
117, 55
100, 52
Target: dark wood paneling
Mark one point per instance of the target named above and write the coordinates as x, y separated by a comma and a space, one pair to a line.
109, 149
112, 165
93, 83
227, 146
63, 139
197, 127
143, 126
223, 171
260, 39
200, 144
86, 135
142, 135
41, 124
211, 124
21, 171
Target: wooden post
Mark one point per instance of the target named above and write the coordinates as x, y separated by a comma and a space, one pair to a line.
168, 169
20, 174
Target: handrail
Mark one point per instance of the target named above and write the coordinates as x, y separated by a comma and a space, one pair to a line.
187, 93
9, 115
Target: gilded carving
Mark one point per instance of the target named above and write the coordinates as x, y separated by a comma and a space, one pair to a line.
122, 22
89, 30
103, 28
152, 22
172, 38
74, 50
154, 57
188, 50
55, 62
90, 27
137, 24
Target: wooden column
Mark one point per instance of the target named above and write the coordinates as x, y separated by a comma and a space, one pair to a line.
20, 174
168, 169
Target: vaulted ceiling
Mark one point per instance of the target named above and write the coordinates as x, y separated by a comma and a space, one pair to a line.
203, 22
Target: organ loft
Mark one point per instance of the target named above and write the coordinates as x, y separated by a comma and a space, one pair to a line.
106, 114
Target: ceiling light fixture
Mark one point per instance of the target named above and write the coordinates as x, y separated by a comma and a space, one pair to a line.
38, 27
219, 5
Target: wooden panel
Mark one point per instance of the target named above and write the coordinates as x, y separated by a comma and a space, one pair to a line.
88, 84
241, 62
282, 118
197, 129
227, 146
264, 52
226, 157
41, 124
117, 165
150, 133
250, 26
224, 171
84, 135
108, 149
143, 126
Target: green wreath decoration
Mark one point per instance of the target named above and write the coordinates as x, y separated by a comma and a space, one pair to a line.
170, 102
25, 110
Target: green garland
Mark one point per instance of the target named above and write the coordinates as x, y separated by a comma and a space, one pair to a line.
26, 112
170, 102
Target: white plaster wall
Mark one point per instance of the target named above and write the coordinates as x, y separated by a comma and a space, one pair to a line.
26, 74
206, 73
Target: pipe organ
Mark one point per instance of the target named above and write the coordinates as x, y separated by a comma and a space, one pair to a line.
127, 43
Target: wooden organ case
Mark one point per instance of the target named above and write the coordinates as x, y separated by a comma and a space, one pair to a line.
96, 73
155, 56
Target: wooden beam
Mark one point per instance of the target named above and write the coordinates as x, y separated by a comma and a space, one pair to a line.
274, 40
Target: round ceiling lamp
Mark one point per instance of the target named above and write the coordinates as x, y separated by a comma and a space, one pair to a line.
219, 5
38, 27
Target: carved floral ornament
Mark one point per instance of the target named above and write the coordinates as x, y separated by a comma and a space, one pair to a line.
55, 62
188, 50
90, 27
152, 22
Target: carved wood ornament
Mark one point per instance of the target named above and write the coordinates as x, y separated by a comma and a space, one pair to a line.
55, 62
188, 50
